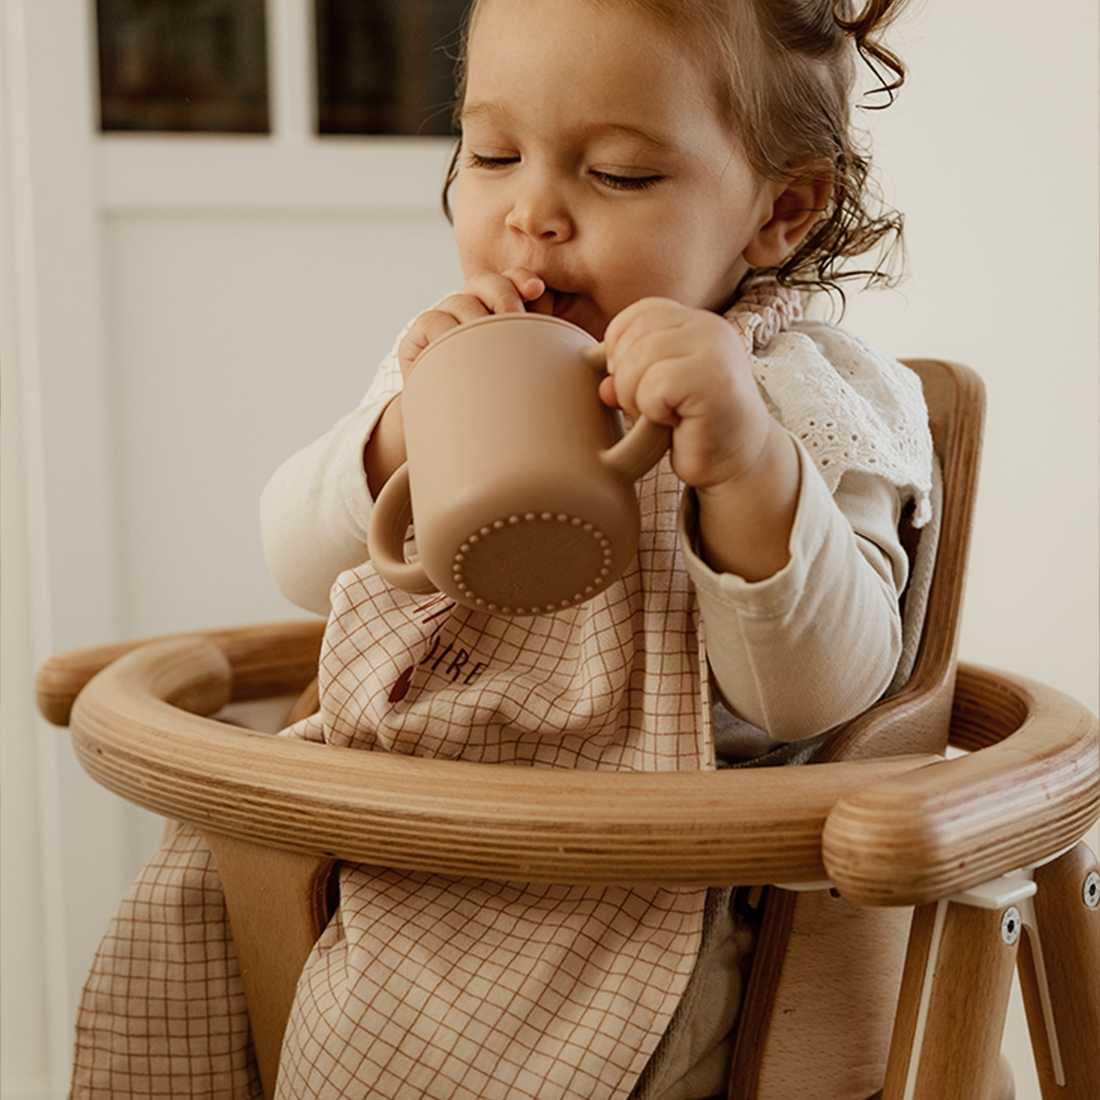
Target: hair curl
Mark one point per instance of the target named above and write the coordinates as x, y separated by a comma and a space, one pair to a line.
783, 74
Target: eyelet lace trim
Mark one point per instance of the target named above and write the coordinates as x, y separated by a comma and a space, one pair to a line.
851, 407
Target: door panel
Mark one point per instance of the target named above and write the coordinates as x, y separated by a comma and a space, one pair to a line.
180, 313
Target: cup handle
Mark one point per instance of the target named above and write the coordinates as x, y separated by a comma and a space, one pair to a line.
639, 450
386, 531
643, 446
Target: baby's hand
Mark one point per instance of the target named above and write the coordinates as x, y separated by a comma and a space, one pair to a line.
484, 293
688, 368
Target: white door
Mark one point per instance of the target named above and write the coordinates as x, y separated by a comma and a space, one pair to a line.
181, 312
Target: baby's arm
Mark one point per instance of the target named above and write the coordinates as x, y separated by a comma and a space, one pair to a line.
818, 642
798, 587
315, 508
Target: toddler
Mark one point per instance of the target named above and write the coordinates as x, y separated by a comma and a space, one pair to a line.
666, 175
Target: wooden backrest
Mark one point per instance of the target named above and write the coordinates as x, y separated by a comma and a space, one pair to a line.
918, 717
827, 970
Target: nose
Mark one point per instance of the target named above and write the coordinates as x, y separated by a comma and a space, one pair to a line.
539, 211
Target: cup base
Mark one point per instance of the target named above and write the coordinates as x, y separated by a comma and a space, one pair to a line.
533, 564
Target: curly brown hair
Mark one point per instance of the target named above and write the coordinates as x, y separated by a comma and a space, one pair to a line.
783, 74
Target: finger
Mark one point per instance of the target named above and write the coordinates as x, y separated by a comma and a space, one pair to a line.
631, 330
642, 367
641, 317
661, 390
426, 328
465, 306
506, 291
531, 288
608, 394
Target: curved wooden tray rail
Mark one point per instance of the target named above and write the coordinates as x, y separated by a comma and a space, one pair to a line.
1028, 788
277, 812
892, 831
138, 730
267, 660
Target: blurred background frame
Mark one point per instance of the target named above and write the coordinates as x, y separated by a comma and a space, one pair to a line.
201, 66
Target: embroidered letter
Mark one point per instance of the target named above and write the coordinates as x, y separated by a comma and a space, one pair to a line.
431, 652
456, 665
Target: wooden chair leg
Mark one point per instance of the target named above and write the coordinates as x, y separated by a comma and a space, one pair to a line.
1004, 1089
276, 905
826, 970
1059, 967
954, 999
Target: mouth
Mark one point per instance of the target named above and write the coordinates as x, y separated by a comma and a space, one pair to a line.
573, 306
556, 303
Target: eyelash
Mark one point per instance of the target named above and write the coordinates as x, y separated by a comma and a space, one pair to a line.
627, 183
608, 179
476, 160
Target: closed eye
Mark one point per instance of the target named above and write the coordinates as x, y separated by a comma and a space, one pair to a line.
479, 160
614, 181
618, 182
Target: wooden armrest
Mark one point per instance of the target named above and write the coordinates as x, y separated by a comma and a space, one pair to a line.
460, 818
272, 659
1031, 789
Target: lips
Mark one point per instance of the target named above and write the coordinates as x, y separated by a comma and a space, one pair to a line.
551, 301
572, 306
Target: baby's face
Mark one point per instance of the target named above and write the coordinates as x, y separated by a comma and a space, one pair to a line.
592, 153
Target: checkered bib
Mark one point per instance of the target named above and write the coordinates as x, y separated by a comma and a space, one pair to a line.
460, 988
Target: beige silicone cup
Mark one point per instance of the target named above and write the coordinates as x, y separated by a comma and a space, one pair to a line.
519, 477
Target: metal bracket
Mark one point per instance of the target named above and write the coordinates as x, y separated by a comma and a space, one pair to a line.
1006, 893
1035, 939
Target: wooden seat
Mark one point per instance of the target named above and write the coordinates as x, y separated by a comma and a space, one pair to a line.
881, 823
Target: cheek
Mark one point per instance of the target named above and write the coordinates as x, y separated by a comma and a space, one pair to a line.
472, 228
466, 258
661, 261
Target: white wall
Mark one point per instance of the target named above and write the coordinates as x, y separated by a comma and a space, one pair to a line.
991, 152
210, 337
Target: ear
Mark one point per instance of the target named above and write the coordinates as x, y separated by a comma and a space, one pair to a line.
794, 211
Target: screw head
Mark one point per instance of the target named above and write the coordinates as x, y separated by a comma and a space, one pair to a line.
1011, 923
1091, 890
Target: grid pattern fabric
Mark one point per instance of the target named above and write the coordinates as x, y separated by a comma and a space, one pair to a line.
163, 1012
611, 684
423, 986
427, 987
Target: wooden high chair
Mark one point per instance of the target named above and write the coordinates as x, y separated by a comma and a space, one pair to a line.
984, 846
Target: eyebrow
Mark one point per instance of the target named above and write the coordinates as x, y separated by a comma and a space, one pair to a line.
499, 113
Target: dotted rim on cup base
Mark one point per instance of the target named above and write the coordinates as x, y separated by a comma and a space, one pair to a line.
483, 533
